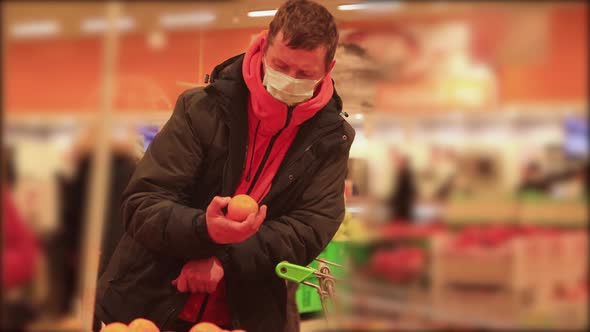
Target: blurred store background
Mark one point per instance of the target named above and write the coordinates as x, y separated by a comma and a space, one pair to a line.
467, 192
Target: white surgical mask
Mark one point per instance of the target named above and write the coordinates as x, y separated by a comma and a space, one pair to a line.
287, 89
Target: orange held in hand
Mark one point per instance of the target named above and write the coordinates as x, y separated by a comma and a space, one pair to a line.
115, 327
205, 327
240, 207
143, 325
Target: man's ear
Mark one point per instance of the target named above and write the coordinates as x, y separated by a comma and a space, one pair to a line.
265, 44
331, 66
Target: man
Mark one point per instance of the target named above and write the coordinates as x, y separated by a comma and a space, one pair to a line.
403, 198
268, 125
533, 179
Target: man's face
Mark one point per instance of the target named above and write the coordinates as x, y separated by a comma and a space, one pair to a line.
302, 64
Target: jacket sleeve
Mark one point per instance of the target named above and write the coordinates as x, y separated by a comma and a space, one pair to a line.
298, 236
155, 204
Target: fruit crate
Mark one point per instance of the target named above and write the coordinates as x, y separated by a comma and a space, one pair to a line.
477, 210
565, 309
518, 277
484, 303
503, 265
308, 300
481, 283
567, 256
571, 314
543, 210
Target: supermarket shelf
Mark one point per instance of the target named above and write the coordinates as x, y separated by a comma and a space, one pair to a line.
384, 306
382, 300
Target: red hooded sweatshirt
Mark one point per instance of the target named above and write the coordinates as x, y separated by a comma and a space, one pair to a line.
266, 117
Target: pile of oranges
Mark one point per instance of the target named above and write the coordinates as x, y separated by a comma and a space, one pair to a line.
145, 325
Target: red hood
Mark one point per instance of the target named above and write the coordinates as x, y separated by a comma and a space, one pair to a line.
271, 112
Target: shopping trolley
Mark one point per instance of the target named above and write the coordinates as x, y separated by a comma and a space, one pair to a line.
326, 286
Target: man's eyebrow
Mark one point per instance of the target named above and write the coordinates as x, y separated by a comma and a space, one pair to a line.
279, 61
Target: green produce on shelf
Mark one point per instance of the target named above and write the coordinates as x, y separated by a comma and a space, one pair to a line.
351, 229
358, 231
343, 231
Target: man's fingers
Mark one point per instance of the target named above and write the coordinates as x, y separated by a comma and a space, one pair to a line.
247, 227
254, 221
217, 203
202, 288
211, 287
261, 214
237, 231
193, 287
182, 284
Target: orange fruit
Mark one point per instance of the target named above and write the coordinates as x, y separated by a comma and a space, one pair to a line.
115, 327
240, 207
143, 325
205, 327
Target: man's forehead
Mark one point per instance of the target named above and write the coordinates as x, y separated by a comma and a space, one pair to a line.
279, 41
281, 50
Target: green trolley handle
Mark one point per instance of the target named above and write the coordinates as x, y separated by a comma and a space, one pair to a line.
299, 274
293, 272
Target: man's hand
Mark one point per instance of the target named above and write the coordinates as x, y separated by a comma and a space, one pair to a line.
199, 276
223, 230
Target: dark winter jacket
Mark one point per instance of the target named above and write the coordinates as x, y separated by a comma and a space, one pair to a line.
198, 154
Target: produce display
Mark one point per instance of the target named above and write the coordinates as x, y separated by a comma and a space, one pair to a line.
145, 325
142, 325
467, 274
209, 327
398, 255
116, 327
400, 265
351, 229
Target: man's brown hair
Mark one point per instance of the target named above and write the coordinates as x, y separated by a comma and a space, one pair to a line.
305, 25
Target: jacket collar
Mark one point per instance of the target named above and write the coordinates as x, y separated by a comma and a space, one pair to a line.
227, 82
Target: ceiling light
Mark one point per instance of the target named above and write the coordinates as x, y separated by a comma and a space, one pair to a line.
359, 116
35, 29
262, 13
99, 24
186, 19
372, 6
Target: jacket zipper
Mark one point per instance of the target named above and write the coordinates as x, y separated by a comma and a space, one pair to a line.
235, 321
269, 149
258, 171
253, 150
202, 309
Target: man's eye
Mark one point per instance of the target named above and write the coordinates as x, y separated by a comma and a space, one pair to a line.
304, 75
